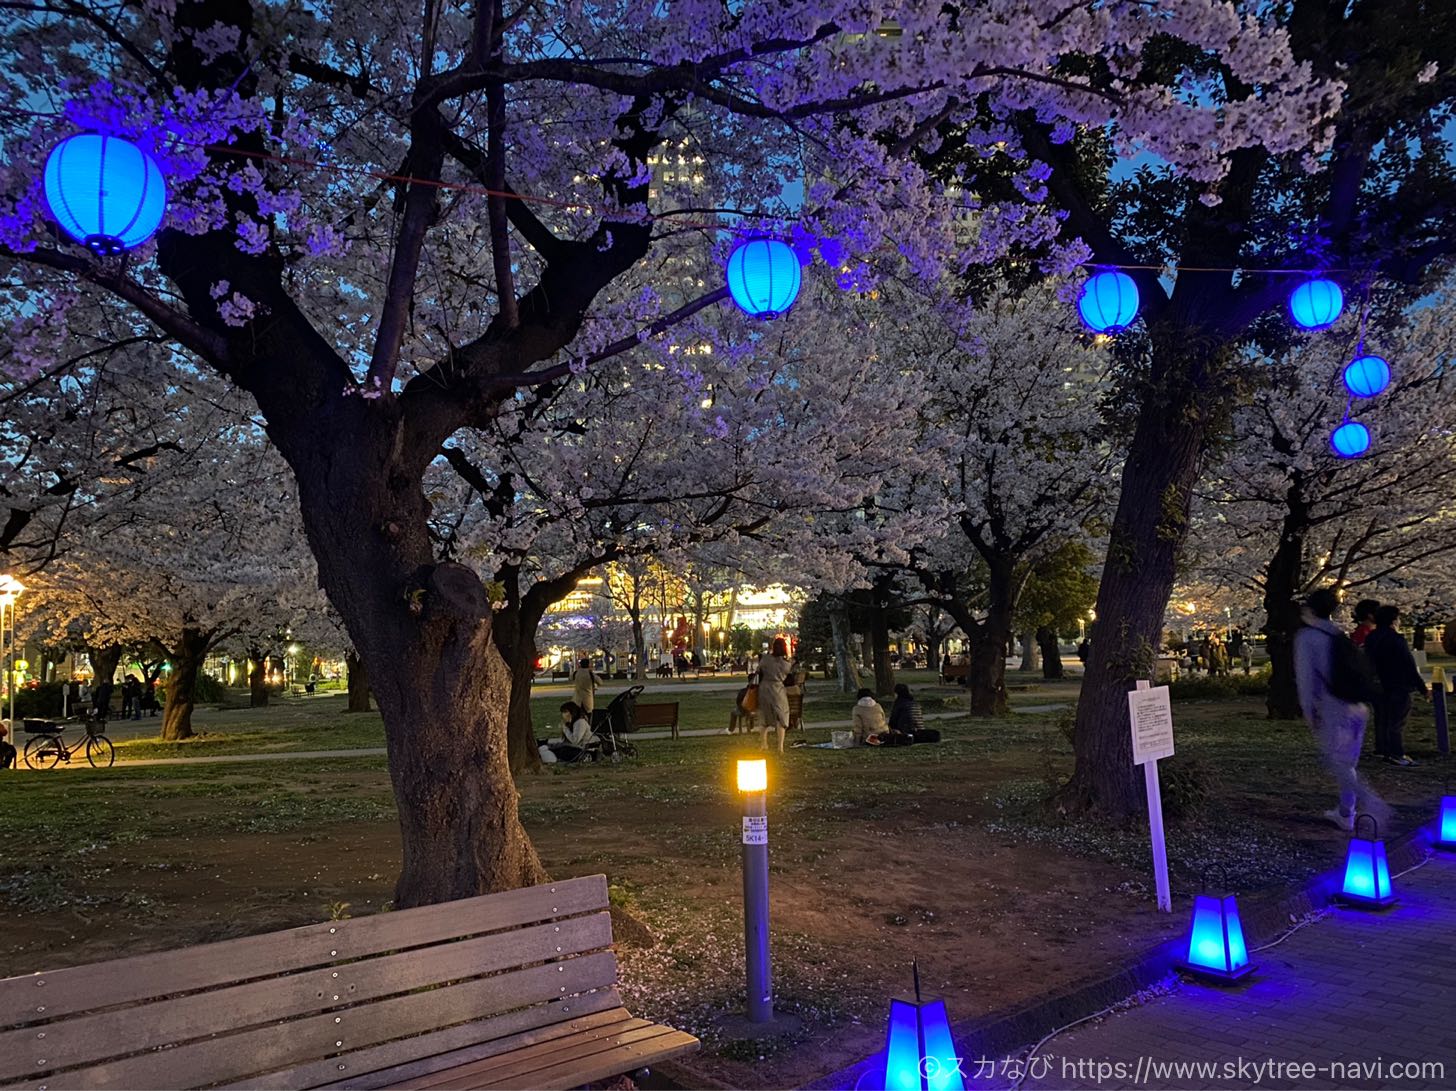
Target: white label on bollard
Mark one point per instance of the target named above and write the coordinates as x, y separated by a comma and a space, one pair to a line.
755, 829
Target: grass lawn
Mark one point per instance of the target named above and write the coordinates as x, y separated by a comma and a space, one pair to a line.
942, 853
320, 723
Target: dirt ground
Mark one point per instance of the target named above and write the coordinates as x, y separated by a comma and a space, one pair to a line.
943, 854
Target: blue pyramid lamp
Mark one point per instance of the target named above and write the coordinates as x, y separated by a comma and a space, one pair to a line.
1446, 824
1216, 948
919, 1053
1367, 873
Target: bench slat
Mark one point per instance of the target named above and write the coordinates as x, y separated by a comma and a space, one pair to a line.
607, 1058
382, 1066
267, 1048
143, 977
531, 1054
90, 1038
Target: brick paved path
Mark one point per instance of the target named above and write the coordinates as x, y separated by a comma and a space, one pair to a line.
1374, 988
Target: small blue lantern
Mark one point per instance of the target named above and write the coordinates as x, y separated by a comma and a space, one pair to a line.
919, 1053
105, 192
763, 277
1367, 376
1108, 303
1367, 874
1446, 825
1350, 440
1216, 947
1316, 304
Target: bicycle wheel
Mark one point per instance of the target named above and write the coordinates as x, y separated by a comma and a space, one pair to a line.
99, 752
42, 752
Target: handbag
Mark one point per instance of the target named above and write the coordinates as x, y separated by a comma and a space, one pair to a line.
748, 698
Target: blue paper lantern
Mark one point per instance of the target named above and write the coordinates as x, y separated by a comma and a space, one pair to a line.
1367, 873
1316, 304
1350, 440
105, 192
919, 1053
763, 277
1108, 303
1367, 376
1446, 825
1216, 947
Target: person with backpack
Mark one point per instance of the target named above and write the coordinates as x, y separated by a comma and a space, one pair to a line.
1335, 686
1395, 667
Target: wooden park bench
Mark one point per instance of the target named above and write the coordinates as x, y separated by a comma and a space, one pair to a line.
956, 672
655, 714
513, 990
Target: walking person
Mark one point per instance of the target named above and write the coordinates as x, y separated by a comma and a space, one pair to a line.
775, 672
1364, 621
1395, 667
1335, 685
584, 683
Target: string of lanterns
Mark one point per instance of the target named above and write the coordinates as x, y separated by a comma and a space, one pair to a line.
1109, 301
110, 196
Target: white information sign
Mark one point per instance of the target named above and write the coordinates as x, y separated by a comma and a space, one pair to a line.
755, 829
1151, 713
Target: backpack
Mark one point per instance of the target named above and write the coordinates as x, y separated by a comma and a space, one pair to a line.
1352, 679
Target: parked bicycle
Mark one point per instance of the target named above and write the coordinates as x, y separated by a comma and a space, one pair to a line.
46, 748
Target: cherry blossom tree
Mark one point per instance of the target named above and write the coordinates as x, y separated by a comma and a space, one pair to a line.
385, 223
186, 571
1283, 515
1018, 467
1370, 194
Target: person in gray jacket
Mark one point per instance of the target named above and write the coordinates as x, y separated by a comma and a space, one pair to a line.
1338, 723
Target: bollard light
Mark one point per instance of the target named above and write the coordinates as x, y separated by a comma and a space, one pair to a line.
1367, 873
753, 783
752, 775
1446, 824
919, 1053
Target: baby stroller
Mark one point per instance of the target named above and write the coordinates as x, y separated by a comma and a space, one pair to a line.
615, 720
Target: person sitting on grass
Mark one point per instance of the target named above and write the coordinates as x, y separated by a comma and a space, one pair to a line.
868, 717
577, 737
905, 714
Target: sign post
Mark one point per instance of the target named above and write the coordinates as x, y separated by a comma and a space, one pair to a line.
1151, 713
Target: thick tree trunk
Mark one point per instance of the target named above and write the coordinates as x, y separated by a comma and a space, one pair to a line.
844, 663
187, 656
989, 643
1051, 653
513, 630
639, 647
1282, 584
424, 632
104, 661
1030, 657
356, 678
1162, 466
1418, 639
257, 678
880, 651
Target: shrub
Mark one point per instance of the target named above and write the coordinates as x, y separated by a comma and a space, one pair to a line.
1186, 785
41, 701
209, 691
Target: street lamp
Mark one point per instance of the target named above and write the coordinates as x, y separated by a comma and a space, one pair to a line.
10, 589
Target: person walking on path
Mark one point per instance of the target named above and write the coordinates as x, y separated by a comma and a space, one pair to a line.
1364, 621
774, 673
584, 682
1335, 684
1395, 667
